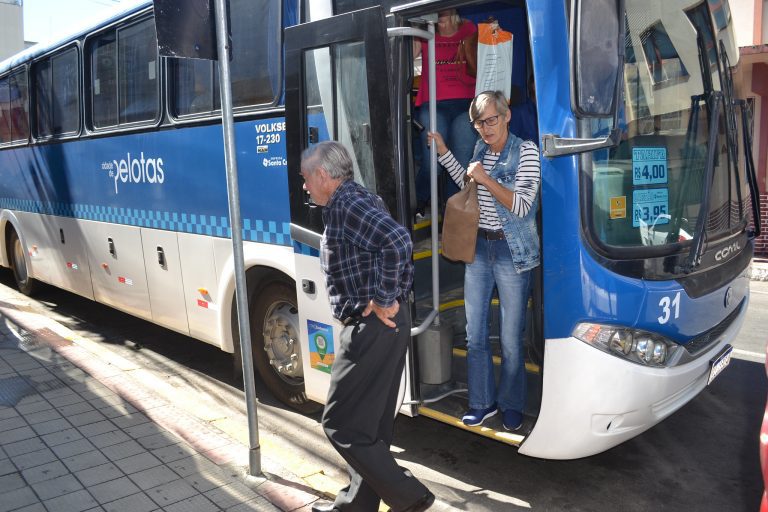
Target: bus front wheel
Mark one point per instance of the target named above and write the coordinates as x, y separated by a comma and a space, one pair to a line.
275, 345
24, 283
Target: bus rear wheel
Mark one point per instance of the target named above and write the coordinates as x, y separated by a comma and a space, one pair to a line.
276, 347
24, 283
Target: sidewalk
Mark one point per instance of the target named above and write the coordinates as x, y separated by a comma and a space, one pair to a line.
78, 434
759, 269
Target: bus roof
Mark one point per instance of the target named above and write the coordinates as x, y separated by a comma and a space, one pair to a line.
77, 32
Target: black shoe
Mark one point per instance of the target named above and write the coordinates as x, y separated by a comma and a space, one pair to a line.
324, 506
422, 504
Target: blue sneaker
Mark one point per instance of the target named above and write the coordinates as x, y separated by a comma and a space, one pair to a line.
512, 420
475, 417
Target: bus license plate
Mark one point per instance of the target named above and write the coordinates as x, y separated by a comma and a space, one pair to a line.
719, 363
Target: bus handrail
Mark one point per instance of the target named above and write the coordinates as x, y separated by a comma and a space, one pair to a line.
558, 146
429, 35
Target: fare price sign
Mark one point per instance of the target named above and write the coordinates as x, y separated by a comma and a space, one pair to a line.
649, 166
650, 207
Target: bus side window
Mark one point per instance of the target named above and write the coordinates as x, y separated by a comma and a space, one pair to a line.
103, 65
57, 96
138, 89
5, 111
19, 107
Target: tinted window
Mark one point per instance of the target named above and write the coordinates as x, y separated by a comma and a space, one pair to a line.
255, 65
19, 106
137, 65
124, 76
5, 111
43, 98
57, 100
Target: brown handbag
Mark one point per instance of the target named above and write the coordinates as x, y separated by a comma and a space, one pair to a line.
462, 214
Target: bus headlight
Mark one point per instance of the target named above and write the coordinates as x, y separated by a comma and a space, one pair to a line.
637, 346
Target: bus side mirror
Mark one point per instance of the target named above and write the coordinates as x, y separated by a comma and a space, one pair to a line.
597, 38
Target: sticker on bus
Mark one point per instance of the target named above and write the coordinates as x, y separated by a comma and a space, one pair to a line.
649, 166
321, 351
650, 207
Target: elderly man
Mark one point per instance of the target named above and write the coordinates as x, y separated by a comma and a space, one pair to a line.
366, 258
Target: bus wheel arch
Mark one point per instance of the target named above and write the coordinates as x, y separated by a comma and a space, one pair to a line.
17, 261
275, 336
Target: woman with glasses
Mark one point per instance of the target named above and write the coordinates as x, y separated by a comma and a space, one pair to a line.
507, 172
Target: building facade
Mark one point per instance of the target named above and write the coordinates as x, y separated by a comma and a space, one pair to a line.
751, 82
11, 28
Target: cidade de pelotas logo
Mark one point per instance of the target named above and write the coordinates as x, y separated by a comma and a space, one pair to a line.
135, 170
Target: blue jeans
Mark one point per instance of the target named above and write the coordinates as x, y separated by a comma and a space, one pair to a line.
493, 267
453, 124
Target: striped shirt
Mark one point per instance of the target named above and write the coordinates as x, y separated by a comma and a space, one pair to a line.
526, 183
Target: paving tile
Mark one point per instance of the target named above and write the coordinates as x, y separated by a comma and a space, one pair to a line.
56, 487
32, 459
191, 465
173, 452
153, 477
231, 494
109, 438
139, 502
86, 418
40, 405
100, 402
113, 490
20, 447
72, 502
260, 504
72, 448
50, 427
61, 437
12, 423
138, 462
144, 429
122, 450
17, 499
100, 427
118, 411
78, 408
85, 461
158, 440
8, 412
171, 492
48, 471
69, 399
42, 416
130, 420
7, 467
37, 507
205, 481
14, 481
17, 434
99, 474
197, 503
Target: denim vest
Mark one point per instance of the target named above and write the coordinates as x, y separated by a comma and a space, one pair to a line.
520, 232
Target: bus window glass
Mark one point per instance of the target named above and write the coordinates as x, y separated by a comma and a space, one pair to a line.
65, 95
104, 80
256, 51
138, 66
648, 190
319, 95
195, 91
353, 114
19, 106
5, 110
43, 98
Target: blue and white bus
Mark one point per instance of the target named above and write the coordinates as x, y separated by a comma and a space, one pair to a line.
112, 186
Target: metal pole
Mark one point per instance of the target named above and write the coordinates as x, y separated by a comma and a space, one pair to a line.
433, 169
233, 192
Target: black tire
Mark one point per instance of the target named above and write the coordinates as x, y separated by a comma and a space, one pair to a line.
275, 345
24, 283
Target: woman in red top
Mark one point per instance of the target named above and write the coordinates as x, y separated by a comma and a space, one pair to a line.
455, 90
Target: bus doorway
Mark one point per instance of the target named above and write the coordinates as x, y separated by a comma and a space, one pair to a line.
441, 352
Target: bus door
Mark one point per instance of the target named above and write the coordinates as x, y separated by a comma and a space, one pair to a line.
336, 88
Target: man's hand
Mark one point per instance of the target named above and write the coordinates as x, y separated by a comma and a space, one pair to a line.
384, 314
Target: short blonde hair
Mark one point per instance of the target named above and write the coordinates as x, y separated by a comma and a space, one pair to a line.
482, 100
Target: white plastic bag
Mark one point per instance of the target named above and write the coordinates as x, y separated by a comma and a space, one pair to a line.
494, 59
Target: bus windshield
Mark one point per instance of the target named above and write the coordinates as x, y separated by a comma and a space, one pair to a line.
649, 190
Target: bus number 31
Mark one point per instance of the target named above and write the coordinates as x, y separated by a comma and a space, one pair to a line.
667, 304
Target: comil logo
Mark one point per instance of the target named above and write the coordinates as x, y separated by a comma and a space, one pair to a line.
727, 252
135, 170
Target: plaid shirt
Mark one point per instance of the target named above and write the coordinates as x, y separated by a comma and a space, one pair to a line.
364, 253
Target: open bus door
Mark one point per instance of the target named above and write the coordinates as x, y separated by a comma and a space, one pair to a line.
336, 88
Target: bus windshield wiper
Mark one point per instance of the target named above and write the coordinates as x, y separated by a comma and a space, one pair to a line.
697, 248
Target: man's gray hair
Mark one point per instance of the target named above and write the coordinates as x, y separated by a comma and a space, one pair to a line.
482, 100
331, 156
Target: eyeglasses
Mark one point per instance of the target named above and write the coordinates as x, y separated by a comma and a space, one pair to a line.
488, 121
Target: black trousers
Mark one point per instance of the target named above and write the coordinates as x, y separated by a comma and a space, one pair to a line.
359, 415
